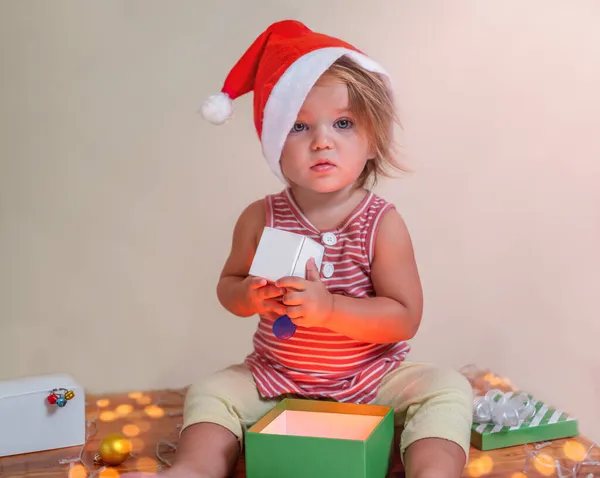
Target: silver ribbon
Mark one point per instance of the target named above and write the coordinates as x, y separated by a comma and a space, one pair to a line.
502, 409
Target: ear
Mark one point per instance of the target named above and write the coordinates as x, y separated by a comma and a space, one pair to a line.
372, 153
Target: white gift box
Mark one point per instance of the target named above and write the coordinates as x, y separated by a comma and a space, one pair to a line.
30, 423
282, 253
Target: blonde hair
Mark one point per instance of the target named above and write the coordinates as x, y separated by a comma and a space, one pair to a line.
372, 105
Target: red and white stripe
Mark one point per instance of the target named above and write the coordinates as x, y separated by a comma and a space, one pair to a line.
317, 362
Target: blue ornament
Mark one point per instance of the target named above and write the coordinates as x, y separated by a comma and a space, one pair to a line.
61, 401
284, 328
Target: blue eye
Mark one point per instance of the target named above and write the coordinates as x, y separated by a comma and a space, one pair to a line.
344, 124
298, 127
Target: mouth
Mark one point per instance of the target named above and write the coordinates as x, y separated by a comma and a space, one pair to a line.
322, 165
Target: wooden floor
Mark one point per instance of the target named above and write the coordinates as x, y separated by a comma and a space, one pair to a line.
151, 421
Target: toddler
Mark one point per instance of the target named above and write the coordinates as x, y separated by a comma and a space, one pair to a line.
324, 114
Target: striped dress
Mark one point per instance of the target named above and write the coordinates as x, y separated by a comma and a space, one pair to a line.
316, 362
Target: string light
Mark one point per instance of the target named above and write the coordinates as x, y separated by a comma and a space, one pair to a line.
156, 410
537, 455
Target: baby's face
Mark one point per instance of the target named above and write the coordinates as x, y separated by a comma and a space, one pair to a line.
325, 151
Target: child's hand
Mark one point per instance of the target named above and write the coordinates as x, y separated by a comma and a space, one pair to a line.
308, 302
260, 294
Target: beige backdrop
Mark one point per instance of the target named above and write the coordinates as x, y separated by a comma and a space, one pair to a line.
117, 201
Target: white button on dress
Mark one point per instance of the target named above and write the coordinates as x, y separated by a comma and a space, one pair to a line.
329, 239
328, 269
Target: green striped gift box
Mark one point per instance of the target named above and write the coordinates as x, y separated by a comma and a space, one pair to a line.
547, 424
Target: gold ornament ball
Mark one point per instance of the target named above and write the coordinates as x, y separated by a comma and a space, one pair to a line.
114, 449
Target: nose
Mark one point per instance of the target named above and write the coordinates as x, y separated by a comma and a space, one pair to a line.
321, 138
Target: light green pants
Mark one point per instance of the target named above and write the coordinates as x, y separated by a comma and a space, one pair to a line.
429, 402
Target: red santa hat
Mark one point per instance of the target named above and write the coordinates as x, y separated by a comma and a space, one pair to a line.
280, 67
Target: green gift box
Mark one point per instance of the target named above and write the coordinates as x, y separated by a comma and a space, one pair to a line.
301, 438
546, 424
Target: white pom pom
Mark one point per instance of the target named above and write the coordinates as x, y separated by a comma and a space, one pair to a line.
217, 108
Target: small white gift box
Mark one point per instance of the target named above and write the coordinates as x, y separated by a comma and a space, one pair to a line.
41, 413
282, 253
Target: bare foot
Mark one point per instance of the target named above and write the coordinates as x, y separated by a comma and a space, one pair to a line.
172, 472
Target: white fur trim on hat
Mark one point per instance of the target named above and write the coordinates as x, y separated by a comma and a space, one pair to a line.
217, 109
288, 95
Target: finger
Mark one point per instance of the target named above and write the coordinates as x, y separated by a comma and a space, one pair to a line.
270, 291
292, 298
257, 283
312, 273
291, 282
300, 321
271, 315
295, 312
274, 306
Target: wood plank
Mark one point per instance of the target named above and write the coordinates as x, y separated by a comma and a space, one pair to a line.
153, 418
